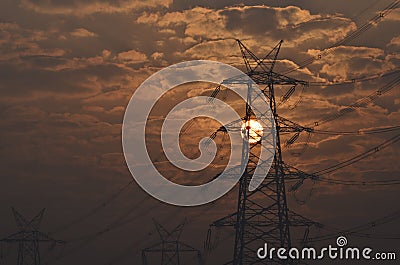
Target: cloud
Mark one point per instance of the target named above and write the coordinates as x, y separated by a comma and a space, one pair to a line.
395, 42
64, 92
212, 49
69, 78
394, 15
294, 16
345, 52
148, 18
16, 42
212, 31
157, 55
79, 8
241, 22
82, 33
347, 62
132, 56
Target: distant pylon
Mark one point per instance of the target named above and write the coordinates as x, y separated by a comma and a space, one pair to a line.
262, 215
29, 238
171, 248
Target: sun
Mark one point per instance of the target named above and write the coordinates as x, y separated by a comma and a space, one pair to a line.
253, 129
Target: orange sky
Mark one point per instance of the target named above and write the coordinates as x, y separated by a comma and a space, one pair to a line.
68, 69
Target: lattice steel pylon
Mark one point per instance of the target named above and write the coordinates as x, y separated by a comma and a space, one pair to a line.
170, 247
262, 215
29, 238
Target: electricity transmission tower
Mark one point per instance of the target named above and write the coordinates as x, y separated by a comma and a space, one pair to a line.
29, 238
170, 247
262, 215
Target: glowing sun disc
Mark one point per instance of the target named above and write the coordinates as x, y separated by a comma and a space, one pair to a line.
252, 130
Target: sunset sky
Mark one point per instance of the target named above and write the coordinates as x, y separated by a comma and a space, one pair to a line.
69, 67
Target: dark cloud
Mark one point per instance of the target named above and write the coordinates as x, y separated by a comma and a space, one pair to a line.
77, 7
69, 68
25, 82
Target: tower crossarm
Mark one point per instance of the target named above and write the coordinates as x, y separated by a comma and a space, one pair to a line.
262, 214
262, 70
287, 126
300, 176
229, 220
255, 64
26, 225
170, 247
29, 236
166, 235
299, 220
263, 78
295, 220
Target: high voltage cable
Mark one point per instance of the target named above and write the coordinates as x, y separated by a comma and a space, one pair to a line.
366, 9
126, 251
354, 18
380, 221
355, 80
329, 84
359, 157
364, 235
356, 231
90, 213
316, 176
377, 236
360, 103
113, 197
119, 222
96, 209
359, 183
116, 224
358, 132
188, 221
376, 19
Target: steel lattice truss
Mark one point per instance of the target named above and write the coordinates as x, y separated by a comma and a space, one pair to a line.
263, 216
29, 238
170, 247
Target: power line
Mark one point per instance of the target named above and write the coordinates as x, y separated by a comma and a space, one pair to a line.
316, 176
262, 215
359, 103
356, 79
118, 223
358, 132
29, 238
94, 210
355, 230
365, 27
359, 157
168, 218
170, 247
